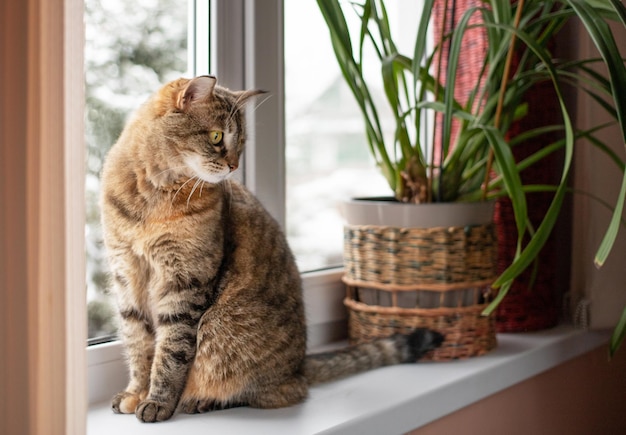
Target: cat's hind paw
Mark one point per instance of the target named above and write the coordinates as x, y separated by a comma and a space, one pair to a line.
150, 411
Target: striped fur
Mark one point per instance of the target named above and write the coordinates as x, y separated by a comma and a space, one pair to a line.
208, 292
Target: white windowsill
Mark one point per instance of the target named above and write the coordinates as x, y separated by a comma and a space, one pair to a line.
391, 400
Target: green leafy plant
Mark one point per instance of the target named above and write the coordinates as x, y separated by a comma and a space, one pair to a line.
476, 161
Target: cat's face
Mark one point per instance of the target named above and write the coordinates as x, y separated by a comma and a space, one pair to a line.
208, 124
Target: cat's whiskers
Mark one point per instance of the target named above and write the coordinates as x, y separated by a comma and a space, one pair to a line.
178, 191
170, 169
256, 106
200, 182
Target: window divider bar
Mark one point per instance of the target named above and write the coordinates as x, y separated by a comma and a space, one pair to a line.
264, 69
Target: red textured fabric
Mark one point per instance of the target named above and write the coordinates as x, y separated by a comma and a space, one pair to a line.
531, 304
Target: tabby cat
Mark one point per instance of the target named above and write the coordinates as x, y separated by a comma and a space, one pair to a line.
208, 292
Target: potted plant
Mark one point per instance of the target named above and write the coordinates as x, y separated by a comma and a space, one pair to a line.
471, 159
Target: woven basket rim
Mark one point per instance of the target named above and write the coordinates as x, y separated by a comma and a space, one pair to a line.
442, 228
413, 287
439, 311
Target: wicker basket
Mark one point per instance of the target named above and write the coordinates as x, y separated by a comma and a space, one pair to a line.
399, 279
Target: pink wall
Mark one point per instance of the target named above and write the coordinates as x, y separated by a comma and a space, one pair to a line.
585, 396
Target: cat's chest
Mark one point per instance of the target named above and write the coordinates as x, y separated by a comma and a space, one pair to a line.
184, 221
186, 200
175, 220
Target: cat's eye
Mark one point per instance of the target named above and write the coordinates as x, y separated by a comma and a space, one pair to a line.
215, 137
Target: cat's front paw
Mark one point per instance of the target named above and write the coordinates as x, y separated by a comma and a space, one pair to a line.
125, 403
150, 411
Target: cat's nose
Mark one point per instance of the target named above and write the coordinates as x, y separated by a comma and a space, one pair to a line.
232, 161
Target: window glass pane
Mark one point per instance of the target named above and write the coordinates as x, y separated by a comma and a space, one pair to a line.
327, 158
131, 48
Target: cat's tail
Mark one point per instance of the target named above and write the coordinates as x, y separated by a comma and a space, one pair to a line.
397, 349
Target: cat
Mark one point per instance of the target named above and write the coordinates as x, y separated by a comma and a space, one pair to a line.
208, 292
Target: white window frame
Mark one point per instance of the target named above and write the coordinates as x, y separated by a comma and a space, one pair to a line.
265, 157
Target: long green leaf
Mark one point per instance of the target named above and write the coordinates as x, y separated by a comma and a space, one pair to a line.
504, 290
419, 50
611, 233
507, 167
605, 43
453, 62
619, 333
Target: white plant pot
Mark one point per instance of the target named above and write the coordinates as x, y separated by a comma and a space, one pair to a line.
388, 212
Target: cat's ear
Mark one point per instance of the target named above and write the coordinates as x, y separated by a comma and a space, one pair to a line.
244, 96
198, 89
